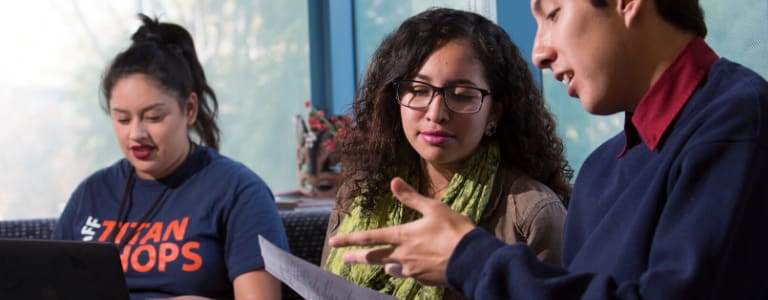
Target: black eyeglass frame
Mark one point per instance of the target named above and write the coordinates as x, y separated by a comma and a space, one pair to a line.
441, 90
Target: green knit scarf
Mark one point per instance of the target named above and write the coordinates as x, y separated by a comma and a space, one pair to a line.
468, 193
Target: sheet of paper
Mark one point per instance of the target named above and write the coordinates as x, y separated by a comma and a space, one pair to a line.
309, 280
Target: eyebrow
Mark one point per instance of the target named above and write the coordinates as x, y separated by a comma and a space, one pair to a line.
153, 106
452, 82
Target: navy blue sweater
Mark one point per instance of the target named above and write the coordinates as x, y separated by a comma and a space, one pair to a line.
683, 221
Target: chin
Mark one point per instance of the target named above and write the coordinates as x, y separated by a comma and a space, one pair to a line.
432, 156
443, 160
600, 110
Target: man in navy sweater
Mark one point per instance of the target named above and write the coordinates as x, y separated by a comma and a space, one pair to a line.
673, 207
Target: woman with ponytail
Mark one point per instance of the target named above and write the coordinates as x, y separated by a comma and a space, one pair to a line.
185, 218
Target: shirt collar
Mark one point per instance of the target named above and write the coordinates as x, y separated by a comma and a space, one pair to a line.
667, 96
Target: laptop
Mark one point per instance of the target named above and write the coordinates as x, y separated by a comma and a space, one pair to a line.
51, 269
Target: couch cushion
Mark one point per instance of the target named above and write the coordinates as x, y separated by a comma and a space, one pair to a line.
28, 228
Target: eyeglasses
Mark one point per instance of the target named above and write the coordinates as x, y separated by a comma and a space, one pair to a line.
459, 99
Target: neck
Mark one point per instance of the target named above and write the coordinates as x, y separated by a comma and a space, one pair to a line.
435, 179
666, 50
657, 45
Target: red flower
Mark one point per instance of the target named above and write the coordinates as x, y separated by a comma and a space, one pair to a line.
328, 144
335, 126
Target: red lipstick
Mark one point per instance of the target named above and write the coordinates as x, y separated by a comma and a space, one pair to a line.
142, 151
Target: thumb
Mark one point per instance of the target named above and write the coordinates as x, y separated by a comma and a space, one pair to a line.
408, 196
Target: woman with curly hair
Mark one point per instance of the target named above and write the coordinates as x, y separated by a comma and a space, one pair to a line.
449, 105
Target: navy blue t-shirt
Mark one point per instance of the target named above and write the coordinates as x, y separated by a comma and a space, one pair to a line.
202, 234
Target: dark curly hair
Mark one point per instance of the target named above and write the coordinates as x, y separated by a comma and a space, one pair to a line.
525, 132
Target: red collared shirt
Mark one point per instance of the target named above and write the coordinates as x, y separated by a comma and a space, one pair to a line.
666, 98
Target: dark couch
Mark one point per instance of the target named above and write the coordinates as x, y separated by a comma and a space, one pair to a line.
305, 230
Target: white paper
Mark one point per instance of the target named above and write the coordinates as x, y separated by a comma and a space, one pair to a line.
309, 280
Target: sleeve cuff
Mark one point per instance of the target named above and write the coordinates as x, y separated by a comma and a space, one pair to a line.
466, 265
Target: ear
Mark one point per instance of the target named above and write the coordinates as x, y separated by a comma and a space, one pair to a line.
496, 112
190, 108
493, 119
629, 9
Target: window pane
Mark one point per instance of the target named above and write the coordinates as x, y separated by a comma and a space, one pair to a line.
374, 19
255, 54
738, 30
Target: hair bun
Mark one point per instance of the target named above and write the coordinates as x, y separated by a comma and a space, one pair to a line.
150, 31
166, 35
147, 36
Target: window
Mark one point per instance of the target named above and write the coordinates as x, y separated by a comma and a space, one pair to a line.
255, 54
374, 19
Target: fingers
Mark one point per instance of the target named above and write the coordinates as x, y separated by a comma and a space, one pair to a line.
394, 235
394, 270
375, 257
374, 237
368, 256
408, 196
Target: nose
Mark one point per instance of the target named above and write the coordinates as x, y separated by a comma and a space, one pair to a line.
543, 54
137, 131
437, 111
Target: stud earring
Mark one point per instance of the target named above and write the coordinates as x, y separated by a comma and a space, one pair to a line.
490, 129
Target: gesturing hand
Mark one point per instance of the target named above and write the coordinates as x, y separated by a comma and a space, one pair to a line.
419, 249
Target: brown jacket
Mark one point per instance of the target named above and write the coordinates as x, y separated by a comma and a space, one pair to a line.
521, 210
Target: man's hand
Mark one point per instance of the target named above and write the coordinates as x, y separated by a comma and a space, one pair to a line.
419, 249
